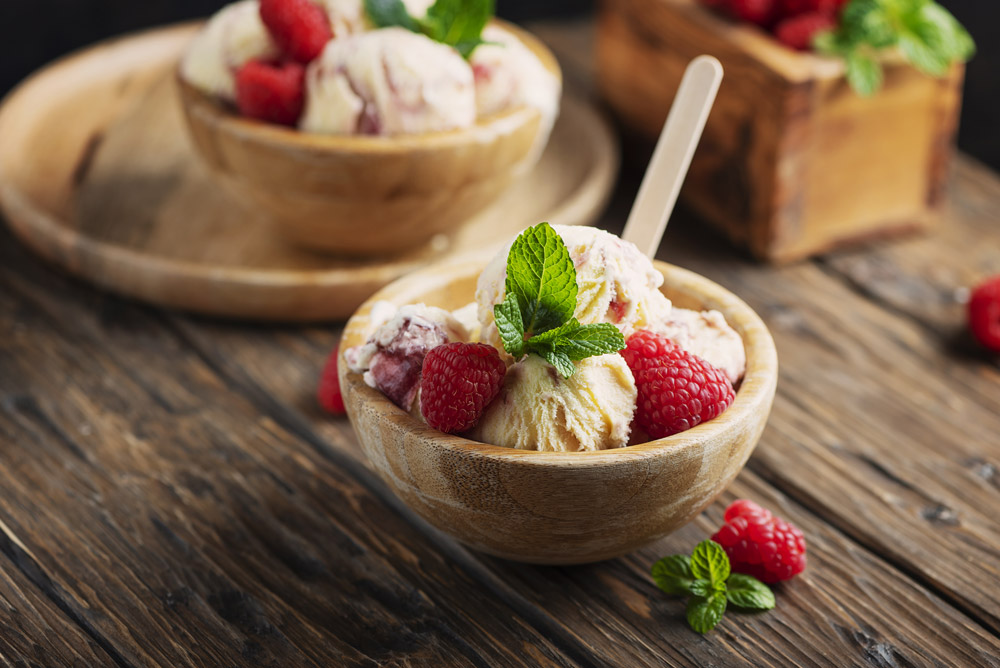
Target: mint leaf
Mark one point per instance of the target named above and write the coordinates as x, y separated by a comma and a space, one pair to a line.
541, 275
576, 341
710, 561
673, 574
507, 315
864, 74
702, 588
749, 592
390, 13
459, 23
563, 364
703, 613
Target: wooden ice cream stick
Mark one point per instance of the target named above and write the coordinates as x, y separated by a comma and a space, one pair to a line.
672, 157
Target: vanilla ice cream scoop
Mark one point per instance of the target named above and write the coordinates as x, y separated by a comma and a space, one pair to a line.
509, 75
388, 82
617, 283
232, 38
538, 409
348, 17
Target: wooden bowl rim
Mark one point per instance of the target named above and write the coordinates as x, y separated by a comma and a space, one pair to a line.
754, 394
280, 137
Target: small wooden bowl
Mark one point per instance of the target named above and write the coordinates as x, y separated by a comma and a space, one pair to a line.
361, 195
560, 508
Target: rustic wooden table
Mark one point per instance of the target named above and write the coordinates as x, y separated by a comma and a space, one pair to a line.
171, 496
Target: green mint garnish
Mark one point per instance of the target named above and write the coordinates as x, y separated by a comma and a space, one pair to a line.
706, 577
457, 23
927, 35
536, 315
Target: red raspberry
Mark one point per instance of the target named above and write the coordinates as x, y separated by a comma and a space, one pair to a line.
272, 93
984, 313
300, 28
795, 7
458, 381
328, 392
760, 544
798, 32
761, 12
677, 390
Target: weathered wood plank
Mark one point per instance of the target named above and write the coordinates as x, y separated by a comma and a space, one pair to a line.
33, 630
612, 608
188, 529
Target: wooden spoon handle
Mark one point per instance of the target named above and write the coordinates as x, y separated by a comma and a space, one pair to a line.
672, 157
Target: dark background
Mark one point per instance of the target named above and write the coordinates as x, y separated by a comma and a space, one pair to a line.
33, 32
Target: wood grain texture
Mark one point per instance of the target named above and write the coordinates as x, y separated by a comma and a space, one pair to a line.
113, 192
33, 629
792, 162
187, 529
559, 508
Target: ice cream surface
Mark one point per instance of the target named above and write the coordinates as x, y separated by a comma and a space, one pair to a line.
617, 283
348, 17
388, 82
539, 410
232, 38
393, 355
707, 335
509, 75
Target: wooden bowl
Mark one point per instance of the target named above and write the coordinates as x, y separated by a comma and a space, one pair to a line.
362, 195
560, 508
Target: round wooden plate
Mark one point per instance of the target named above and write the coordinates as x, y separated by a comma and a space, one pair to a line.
96, 175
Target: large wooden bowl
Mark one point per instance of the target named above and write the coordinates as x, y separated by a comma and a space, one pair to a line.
361, 195
560, 508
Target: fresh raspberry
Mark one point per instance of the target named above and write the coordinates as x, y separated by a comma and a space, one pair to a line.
761, 12
677, 390
795, 7
300, 28
272, 93
984, 313
798, 32
760, 544
328, 392
458, 381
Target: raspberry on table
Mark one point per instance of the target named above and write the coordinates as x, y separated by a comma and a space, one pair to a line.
677, 390
984, 313
798, 32
300, 28
457, 383
761, 12
328, 392
760, 544
274, 93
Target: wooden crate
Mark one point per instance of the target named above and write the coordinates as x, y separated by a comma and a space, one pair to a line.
793, 162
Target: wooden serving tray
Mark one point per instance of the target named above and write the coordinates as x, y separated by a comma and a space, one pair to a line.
97, 176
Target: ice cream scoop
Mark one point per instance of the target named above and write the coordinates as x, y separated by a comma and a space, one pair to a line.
508, 74
537, 409
616, 282
388, 82
233, 37
348, 17
392, 356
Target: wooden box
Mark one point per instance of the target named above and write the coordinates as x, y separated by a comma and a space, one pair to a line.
793, 162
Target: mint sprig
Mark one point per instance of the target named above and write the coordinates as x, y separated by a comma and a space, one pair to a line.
927, 35
457, 23
705, 576
536, 315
